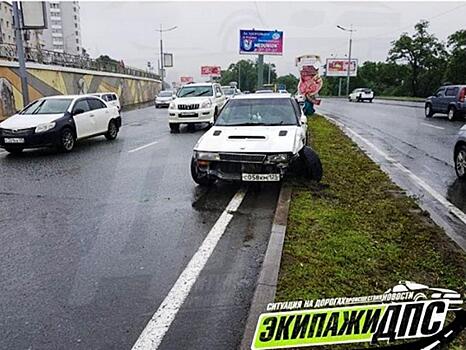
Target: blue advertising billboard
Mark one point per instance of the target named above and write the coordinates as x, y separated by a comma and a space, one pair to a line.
260, 42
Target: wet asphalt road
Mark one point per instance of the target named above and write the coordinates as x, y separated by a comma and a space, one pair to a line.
92, 242
400, 129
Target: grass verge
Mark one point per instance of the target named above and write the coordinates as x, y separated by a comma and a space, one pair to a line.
401, 98
358, 234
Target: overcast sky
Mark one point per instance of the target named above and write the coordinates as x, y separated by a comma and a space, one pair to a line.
207, 32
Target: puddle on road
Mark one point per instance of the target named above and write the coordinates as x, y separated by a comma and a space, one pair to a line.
456, 194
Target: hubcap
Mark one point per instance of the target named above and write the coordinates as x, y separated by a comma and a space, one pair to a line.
113, 130
461, 163
428, 110
451, 113
68, 140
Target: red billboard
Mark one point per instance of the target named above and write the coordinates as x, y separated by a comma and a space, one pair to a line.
186, 80
338, 67
211, 71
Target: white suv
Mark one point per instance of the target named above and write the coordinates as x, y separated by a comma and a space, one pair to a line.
196, 103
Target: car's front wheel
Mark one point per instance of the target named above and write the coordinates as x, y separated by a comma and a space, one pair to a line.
67, 140
428, 111
312, 164
14, 150
460, 162
174, 128
198, 177
112, 131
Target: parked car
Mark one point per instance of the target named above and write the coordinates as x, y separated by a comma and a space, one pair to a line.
449, 100
459, 153
59, 121
255, 138
230, 91
110, 99
164, 98
361, 95
196, 103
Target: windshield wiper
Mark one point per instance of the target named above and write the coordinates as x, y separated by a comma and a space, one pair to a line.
188, 93
203, 93
245, 124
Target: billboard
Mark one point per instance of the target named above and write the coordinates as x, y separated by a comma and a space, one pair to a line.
338, 67
186, 80
260, 42
211, 71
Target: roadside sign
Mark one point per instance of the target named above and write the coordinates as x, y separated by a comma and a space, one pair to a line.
260, 42
211, 71
167, 60
338, 67
33, 15
186, 80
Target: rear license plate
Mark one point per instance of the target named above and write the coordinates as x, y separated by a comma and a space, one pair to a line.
14, 140
260, 177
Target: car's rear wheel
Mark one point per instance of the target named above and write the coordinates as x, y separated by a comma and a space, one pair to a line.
460, 162
198, 177
112, 131
428, 111
174, 128
370, 100
451, 113
14, 150
66, 141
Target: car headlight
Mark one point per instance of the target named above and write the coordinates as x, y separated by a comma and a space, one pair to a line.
172, 105
44, 127
206, 104
277, 158
207, 155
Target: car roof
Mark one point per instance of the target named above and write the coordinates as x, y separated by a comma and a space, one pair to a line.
199, 84
68, 96
271, 95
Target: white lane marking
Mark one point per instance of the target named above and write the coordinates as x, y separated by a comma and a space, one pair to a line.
155, 330
431, 346
433, 126
142, 147
448, 334
442, 200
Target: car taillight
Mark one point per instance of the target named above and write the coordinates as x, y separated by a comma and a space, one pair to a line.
462, 94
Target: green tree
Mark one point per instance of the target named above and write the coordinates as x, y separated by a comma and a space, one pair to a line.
456, 67
290, 81
245, 73
424, 54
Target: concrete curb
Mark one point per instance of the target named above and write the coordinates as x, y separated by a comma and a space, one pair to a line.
268, 276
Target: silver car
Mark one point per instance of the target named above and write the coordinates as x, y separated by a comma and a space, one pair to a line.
460, 154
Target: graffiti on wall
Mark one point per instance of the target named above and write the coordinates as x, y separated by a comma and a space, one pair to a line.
46, 82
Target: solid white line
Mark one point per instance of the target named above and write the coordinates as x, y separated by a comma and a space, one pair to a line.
155, 330
433, 126
142, 147
442, 200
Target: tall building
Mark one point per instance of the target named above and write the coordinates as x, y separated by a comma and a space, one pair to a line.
64, 29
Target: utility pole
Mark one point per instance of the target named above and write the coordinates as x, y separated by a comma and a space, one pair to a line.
268, 79
239, 75
350, 30
161, 30
20, 53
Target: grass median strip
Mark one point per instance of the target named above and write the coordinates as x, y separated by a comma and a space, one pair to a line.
357, 233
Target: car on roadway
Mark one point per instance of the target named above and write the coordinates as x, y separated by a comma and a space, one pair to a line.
459, 154
59, 121
361, 95
449, 100
164, 98
196, 103
255, 138
230, 91
110, 99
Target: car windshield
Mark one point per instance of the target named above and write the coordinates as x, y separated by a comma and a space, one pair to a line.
193, 91
260, 111
165, 94
48, 106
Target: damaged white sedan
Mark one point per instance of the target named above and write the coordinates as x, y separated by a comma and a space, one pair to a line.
255, 138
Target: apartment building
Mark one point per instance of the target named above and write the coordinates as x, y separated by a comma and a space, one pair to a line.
64, 28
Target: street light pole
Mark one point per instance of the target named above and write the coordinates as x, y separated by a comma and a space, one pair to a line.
20, 52
350, 30
161, 30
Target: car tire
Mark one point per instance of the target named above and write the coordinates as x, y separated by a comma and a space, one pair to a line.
174, 128
13, 150
460, 162
312, 164
112, 131
428, 111
202, 180
67, 140
349, 99
370, 100
452, 113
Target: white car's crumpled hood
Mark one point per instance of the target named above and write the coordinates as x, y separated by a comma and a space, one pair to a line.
24, 121
238, 139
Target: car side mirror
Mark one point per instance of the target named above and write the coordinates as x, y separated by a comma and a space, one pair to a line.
218, 94
78, 111
303, 119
